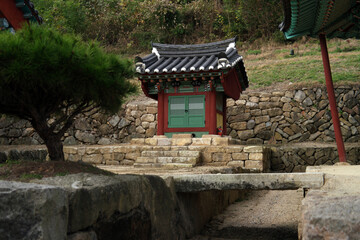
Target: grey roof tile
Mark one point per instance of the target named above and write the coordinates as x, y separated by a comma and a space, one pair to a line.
167, 58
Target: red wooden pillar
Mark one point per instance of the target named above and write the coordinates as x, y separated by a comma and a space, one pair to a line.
224, 115
332, 99
161, 115
13, 14
212, 114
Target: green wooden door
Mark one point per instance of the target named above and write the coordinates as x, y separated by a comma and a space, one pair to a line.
186, 111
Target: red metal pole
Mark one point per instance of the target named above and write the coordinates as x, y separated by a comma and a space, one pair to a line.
332, 99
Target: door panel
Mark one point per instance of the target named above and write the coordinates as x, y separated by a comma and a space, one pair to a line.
186, 111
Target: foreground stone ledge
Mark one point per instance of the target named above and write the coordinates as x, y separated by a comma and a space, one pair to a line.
329, 215
32, 211
279, 181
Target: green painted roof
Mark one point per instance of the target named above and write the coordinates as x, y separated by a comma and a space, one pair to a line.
334, 18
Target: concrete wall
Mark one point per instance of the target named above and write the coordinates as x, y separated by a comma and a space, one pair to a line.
297, 115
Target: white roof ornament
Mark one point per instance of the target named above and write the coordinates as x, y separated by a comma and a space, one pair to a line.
154, 50
231, 45
183, 69
201, 68
174, 69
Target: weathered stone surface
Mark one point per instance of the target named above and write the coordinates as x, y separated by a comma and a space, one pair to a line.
126, 206
246, 134
299, 96
201, 141
331, 216
104, 141
32, 211
250, 124
181, 141
203, 182
239, 125
148, 118
88, 235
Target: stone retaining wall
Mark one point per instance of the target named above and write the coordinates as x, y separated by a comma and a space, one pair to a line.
293, 116
297, 158
257, 118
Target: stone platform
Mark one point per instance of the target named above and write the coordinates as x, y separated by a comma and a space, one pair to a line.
181, 151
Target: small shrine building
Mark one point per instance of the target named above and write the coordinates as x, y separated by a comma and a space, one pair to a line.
191, 84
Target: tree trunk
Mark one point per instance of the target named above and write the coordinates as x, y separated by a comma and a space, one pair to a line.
55, 149
51, 139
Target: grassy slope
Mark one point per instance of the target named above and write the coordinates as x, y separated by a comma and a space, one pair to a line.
270, 65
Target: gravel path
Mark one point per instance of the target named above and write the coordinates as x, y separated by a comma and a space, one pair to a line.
262, 215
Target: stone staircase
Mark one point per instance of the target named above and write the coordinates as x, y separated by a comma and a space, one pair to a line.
168, 159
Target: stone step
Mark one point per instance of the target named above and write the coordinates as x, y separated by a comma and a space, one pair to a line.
166, 165
170, 154
164, 160
189, 160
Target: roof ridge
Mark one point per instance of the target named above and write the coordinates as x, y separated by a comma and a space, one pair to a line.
193, 46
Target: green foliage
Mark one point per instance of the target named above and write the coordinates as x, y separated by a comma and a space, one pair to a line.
44, 75
134, 24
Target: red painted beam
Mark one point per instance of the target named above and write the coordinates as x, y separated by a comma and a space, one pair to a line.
13, 14
332, 99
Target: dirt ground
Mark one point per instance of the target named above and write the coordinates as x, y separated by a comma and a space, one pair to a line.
263, 215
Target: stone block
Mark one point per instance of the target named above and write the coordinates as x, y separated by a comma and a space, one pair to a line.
327, 215
93, 158
239, 125
233, 149
206, 157
151, 110
223, 141
92, 150
236, 164
201, 141
151, 141
181, 141
33, 211
246, 134
163, 142
70, 150
182, 135
147, 118
256, 156
210, 136
262, 119
119, 156
250, 164
161, 148
189, 154
240, 156
221, 157
146, 160
110, 162
132, 155
253, 149
138, 141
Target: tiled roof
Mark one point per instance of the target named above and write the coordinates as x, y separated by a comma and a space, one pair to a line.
166, 58
313, 17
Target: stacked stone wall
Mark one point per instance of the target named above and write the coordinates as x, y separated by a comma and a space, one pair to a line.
290, 116
136, 120
297, 158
